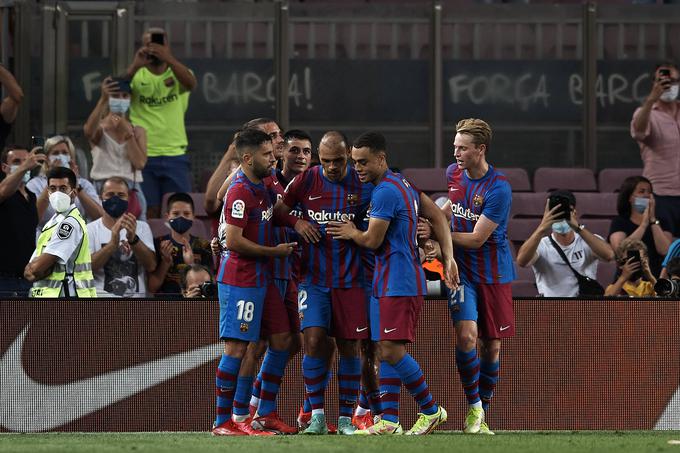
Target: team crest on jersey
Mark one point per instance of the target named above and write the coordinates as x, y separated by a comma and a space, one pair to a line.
244, 327
352, 199
477, 200
238, 209
302, 315
64, 231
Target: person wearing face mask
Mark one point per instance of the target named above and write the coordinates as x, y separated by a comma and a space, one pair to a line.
121, 246
61, 264
638, 219
582, 248
118, 146
161, 85
19, 218
179, 249
60, 152
655, 127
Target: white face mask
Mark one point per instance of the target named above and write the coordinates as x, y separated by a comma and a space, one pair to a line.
60, 201
119, 105
670, 94
25, 178
63, 158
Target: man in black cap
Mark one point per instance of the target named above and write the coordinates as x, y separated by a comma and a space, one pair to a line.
581, 248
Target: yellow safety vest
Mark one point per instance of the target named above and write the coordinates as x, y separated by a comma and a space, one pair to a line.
51, 285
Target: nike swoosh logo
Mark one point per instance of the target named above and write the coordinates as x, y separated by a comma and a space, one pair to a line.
311, 198
276, 183
452, 189
26, 403
504, 328
389, 330
361, 330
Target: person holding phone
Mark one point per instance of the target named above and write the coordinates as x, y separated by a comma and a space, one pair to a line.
118, 146
638, 219
635, 279
560, 227
160, 97
655, 127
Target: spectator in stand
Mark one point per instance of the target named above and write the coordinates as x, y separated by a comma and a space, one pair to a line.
60, 152
192, 279
179, 249
635, 278
673, 252
118, 146
19, 218
10, 105
121, 246
655, 127
637, 219
160, 97
582, 248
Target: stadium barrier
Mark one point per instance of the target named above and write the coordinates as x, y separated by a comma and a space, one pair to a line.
149, 365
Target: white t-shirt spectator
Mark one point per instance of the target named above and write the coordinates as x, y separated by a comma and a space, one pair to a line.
122, 275
553, 276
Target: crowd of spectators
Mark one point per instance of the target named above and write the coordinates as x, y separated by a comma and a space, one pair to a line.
138, 144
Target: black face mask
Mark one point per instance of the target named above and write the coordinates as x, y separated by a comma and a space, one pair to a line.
115, 206
181, 224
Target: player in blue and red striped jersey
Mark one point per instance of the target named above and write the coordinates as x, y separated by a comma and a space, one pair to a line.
479, 208
398, 281
244, 276
331, 296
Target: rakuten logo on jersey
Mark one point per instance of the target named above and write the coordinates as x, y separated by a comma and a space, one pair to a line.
322, 217
268, 214
464, 213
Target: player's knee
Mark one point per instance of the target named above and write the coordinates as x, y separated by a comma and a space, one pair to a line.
315, 345
348, 348
280, 341
235, 348
466, 339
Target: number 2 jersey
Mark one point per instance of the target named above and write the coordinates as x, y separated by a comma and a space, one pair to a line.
249, 206
330, 263
490, 196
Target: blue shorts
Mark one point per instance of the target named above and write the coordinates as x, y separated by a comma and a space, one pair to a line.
165, 174
240, 312
343, 312
463, 302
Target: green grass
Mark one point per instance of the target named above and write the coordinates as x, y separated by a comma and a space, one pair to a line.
503, 442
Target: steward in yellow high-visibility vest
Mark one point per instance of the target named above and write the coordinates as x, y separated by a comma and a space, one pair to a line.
60, 265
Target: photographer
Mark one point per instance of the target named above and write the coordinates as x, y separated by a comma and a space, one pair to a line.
636, 279
559, 238
670, 287
198, 281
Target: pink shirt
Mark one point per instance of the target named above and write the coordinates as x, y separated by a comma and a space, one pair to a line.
660, 150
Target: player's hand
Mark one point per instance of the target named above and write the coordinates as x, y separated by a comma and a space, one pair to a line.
307, 231
550, 216
424, 229
430, 250
215, 247
187, 252
341, 230
166, 251
284, 249
451, 277
629, 268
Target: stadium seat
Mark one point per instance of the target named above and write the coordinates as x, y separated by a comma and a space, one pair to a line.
528, 204
610, 179
574, 179
518, 178
427, 179
198, 197
606, 272
596, 204
524, 288
520, 229
598, 226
